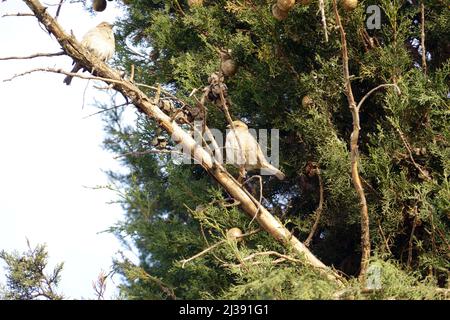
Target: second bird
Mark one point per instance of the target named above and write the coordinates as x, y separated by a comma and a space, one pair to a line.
251, 157
100, 41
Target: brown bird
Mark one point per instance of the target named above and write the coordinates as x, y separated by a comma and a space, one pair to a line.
251, 155
100, 41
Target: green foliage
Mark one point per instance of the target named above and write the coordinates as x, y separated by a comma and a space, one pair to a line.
390, 282
175, 211
26, 278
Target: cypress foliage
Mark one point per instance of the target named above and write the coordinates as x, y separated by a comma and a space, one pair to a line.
175, 211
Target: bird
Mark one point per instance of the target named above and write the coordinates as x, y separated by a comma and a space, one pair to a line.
100, 41
251, 157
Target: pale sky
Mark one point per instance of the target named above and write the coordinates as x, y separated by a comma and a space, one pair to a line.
49, 154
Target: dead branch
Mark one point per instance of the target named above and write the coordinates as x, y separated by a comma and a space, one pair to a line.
324, 19
141, 153
184, 261
107, 109
19, 14
411, 238
61, 71
36, 55
424, 173
282, 258
59, 9
354, 153
248, 203
318, 212
99, 286
367, 95
422, 37
164, 287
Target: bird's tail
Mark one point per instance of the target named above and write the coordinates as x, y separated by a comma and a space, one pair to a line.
68, 79
272, 170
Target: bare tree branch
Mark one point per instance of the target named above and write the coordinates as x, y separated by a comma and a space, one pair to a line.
59, 9
36, 55
422, 37
61, 71
367, 95
354, 153
324, 19
424, 173
19, 14
318, 211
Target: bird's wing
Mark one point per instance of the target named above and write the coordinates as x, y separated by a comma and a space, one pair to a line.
254, 154
234, 155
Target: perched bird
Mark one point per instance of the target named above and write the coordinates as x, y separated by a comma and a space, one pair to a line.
251, 155
100, 41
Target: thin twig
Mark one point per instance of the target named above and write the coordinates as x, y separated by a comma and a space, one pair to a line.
422, 38
19, 14
60, 71
36, 55
59, 9
410, 242
367, 95
141, 153
386, 243
318, 211
84, 94
178, 8
266, 253
108, 109
164, 287
260, 194
184, 261
207, 242
167, 93
408, 148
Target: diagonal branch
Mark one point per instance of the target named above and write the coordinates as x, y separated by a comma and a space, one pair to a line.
145, 104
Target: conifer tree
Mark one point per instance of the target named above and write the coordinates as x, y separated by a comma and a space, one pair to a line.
290, 76
27, 277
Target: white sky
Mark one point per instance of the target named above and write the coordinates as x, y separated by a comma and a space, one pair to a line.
49, 153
